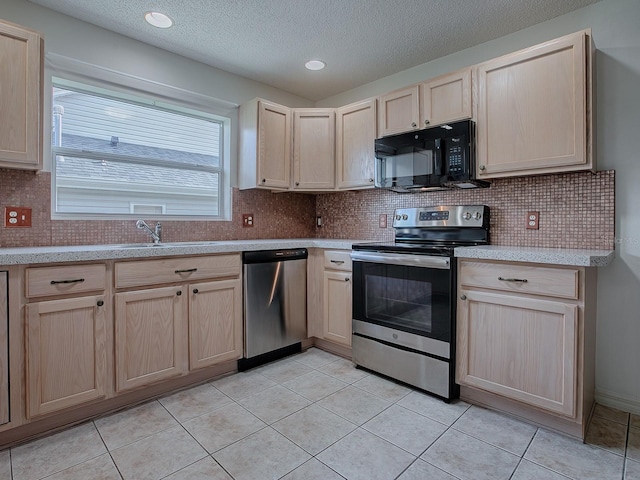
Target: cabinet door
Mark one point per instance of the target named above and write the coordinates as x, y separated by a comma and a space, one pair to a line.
355, 136
446, 98
149, 336
314, 166
532, 110
521, 348
274, 145
215, 322
20, 97
337, 307
4, 351
66, 353
399, 111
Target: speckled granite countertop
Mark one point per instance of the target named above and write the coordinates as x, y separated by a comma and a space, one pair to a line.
80, 253
553, 256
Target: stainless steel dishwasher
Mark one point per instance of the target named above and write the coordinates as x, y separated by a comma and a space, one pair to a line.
275, 304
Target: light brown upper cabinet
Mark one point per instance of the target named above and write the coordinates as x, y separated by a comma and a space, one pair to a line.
313, 149
265, 146
534, 109
439, 100
21, 97
355, 135
400, 111
446, 98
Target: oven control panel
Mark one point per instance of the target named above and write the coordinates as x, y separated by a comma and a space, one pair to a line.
442, 216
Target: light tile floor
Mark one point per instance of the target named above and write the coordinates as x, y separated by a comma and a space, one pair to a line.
314, 416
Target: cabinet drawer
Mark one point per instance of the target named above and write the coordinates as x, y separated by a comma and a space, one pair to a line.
70, 279
180, 269
337, 260
552, 282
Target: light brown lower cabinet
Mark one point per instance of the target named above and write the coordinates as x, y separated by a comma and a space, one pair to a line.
521, 348
4, 349
337, 307
65, 353
215, 322
149, 336
166, 331
525, 340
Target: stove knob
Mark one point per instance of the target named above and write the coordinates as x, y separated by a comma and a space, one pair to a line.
476, 215
398, 217
466, 216
405, 217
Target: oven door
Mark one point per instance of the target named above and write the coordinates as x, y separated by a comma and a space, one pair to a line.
407, 292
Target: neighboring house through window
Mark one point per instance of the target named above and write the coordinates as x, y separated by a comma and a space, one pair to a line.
118, 155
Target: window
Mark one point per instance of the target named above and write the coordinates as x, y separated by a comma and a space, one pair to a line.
117, 155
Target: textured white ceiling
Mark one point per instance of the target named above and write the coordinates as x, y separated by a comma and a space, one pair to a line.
360, 40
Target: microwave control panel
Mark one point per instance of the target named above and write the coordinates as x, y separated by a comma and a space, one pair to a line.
455, 155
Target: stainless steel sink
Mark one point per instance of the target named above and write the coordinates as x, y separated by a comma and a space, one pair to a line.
168, 244
140, 245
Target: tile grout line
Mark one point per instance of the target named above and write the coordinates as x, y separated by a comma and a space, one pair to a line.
108, 451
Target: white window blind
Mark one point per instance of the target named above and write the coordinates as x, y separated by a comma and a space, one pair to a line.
112, 151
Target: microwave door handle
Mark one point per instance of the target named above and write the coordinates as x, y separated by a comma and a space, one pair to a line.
437, 167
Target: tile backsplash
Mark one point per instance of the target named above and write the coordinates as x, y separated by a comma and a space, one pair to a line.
281, 215
576, 211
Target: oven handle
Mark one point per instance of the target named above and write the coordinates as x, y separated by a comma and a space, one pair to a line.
408, 260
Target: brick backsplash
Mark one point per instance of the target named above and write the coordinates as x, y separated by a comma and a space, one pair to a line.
576, 211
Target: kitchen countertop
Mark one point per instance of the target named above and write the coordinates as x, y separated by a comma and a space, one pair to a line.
553, 256
79, 253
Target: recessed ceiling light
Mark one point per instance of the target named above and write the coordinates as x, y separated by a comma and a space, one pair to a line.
315, 65
158, 19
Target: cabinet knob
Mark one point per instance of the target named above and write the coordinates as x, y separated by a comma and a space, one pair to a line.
463, 297
346, 279
100, 303
426, 122
371, 180
179, 292
482, 167
297, 183
413, 124
264, 180
195, 290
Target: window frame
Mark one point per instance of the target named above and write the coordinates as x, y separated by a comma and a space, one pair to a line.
148, 93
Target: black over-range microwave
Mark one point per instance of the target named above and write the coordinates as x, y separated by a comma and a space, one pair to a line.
431, 159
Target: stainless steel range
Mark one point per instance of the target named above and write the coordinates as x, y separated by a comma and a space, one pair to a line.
404, 296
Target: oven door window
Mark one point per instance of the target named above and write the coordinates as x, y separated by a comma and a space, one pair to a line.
412, 299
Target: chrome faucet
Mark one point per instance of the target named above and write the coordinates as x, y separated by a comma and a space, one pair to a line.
156, 234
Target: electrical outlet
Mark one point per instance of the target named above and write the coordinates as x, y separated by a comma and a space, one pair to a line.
382, 220
17, 217
533, 220
247, 219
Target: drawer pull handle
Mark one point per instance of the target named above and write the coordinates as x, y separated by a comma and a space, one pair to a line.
75, 280
337, 262
100, 303
521, 280
188, 270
